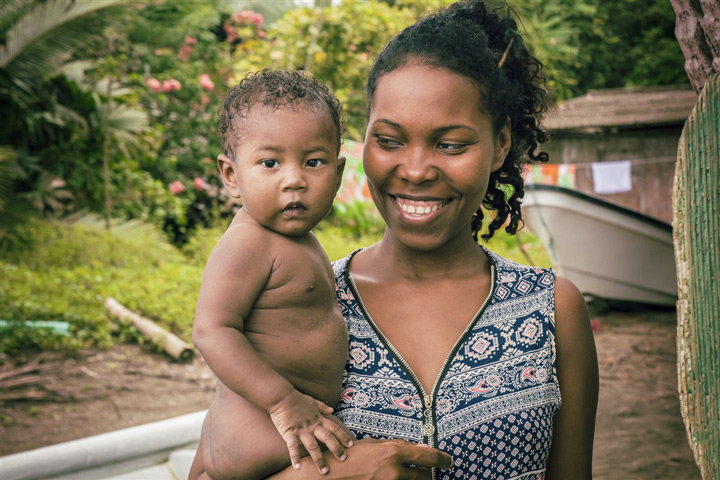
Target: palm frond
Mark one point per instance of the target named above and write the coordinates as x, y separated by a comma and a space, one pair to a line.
127, 119
10, 11
48, 33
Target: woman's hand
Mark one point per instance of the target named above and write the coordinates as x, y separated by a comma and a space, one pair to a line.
378, 460
303, 421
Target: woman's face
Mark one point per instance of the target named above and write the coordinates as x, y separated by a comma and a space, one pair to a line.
428, 154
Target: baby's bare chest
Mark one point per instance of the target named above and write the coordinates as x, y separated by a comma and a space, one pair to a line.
301, 277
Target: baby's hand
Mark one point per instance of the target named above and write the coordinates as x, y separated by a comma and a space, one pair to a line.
302, 421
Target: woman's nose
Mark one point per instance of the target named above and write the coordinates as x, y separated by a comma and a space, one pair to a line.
417, 166
293, 179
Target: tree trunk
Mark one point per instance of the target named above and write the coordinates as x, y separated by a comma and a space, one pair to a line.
696, 222
106, 155
697, 29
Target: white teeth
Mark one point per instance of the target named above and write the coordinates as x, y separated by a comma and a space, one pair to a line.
419, 209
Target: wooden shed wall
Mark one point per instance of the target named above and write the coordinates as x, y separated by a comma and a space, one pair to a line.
652, 152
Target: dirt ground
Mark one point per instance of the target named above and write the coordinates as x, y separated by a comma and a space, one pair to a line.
639, 434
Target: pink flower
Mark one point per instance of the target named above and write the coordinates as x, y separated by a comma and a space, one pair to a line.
231, 33
176, 187
204, 100
185, 52
596, 325
261, 33
257, 19
170, 85
199, 183
207, 160
206, 83
190, 40
154, 84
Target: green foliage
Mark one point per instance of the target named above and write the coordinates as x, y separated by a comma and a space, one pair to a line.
357, 218
336, 44
338, 242
56, 272
591, 45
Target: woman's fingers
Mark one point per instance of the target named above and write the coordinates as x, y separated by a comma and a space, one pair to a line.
419, 455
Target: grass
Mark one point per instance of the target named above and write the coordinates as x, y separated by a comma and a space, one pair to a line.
62, 273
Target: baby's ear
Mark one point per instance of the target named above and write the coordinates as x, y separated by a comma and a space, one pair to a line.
340, 170
228, 175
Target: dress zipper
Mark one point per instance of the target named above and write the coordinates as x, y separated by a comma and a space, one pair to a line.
429, 427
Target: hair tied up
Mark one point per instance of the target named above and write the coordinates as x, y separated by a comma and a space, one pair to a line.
505, 53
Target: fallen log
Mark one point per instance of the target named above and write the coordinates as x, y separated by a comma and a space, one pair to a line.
169, 342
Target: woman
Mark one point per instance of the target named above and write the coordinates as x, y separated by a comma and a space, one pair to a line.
451, 346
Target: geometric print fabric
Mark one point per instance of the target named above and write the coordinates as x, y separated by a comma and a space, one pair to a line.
493, 405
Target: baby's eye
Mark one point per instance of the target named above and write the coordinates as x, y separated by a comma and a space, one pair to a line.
269, 163
314, 162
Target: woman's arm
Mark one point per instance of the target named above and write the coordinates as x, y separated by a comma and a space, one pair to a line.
577, 368
375, 459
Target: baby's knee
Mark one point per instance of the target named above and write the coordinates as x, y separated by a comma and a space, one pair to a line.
228, 463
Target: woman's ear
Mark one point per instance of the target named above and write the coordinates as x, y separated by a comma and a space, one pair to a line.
340, 170
503, 142
228, 174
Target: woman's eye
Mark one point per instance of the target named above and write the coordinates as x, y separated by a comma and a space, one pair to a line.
269, 163
451, 147
388, 143
314, 162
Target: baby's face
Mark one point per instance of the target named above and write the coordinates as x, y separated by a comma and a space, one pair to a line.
286, 169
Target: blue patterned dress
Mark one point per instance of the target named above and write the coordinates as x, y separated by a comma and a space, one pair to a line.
491, 407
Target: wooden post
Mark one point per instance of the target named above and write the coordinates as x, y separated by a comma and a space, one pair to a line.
696, 222
171, 343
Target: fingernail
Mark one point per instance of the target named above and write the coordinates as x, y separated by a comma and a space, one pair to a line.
324, 470
343, 457
351, 443
296, 466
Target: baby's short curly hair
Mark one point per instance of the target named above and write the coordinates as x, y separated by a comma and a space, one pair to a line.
275, 89
482, 43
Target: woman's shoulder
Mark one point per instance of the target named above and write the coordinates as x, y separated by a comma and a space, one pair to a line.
340, 266
504, 265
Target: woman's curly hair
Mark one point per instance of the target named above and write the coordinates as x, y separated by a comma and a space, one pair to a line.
484, 45
274, 89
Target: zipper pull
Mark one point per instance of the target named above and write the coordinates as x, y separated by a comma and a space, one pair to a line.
428, 429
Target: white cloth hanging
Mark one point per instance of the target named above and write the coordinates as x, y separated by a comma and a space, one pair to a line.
612, 177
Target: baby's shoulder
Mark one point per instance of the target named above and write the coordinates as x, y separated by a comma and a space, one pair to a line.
243, 242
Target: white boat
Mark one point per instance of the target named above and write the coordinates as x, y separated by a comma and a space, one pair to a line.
161, 450
608, 251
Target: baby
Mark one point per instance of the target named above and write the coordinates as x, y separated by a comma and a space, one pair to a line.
267, 320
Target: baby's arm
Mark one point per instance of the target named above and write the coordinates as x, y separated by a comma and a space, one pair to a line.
234, 277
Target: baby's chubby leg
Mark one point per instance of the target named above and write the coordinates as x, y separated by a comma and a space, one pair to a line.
240, 442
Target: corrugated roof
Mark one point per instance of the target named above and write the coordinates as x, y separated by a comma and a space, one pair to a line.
623, 108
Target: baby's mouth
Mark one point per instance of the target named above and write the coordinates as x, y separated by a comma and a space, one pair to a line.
294, 209
420, 207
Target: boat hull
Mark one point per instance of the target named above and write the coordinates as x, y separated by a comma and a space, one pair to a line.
608, 251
